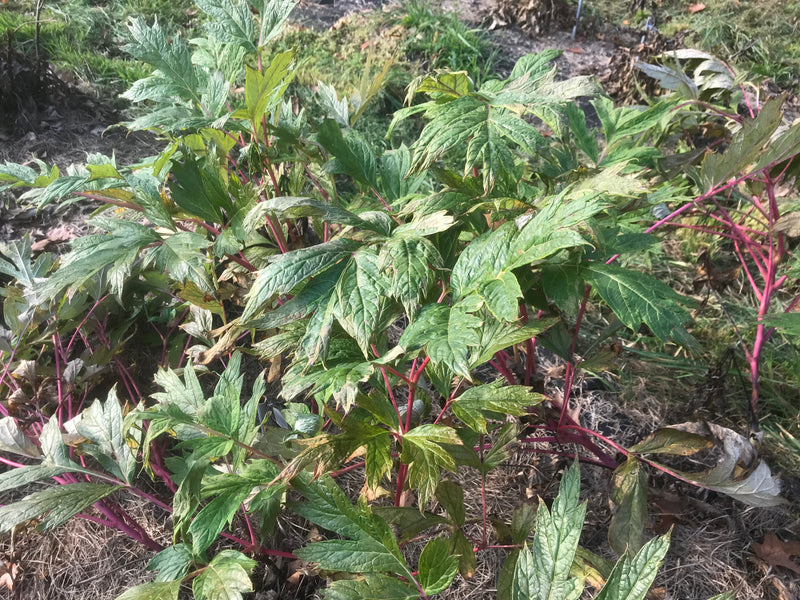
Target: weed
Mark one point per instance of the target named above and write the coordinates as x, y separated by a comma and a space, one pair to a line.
439, 40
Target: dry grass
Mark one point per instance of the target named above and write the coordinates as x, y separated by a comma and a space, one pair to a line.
83, 560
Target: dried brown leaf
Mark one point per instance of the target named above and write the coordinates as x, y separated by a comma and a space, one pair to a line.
777, 553
8, 573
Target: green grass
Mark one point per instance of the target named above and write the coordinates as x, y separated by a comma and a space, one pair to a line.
439, 40
85, 36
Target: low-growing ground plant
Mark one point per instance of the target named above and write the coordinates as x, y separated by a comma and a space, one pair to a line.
398, 297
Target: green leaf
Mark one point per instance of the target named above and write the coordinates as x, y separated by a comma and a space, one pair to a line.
183, 256
230, 23
499, 337
291, 269
198, 189
472, 406
225, 578
462, 547
637, 298
410, 521
446, 333
155, 590
58, 505
92, 254
371, 546
19, 264
452, 85
318, 292
745, 146
483, 259
53, 446
186, 395
211, 520
264, 91
523, 520
381, 408
629, 493
579, 133
14, 478
501, 296
536, 65
394, 177
171, 563
294, 207
631, 578
172, 59
273, 15
102, 425
378, 458
437, 566
425, 457
408, 261
786, 323
359, 294
315, 343
550, 230
374, 586
619, 122
451, 496
544, 573
498, 454
352, 155
480, 133
12, 439
147, 189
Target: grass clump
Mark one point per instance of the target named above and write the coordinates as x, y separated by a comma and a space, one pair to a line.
440, 40
84, 36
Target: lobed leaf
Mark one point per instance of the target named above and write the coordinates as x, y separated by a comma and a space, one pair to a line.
629, 493
631, 578
57, 505
225, 578
290, 269
155, 590
425, 457
637, 298
371, 546
374, 586
437, 566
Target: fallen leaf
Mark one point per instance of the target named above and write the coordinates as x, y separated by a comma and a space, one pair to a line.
274, 369
694, 8
55, 235
789, 224
8, 573
668, 512
776, 553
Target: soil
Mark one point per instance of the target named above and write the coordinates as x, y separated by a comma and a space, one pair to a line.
712, 536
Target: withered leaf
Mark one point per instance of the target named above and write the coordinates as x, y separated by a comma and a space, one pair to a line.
738, 471
777, 553
789, 224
